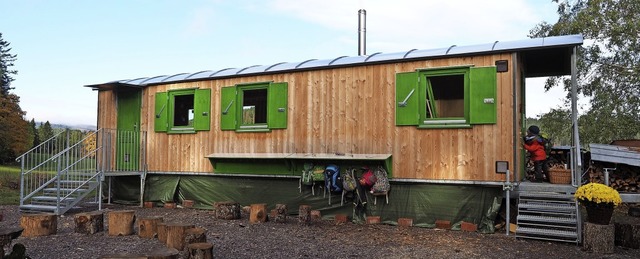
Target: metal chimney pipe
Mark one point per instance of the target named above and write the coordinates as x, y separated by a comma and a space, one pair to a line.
362, 32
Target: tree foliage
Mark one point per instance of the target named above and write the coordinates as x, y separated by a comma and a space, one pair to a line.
6, 62
14, 129
608, 64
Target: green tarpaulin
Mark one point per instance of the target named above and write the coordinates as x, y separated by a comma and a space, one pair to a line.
424, 203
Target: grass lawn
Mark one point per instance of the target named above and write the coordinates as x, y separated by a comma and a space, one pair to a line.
9, 185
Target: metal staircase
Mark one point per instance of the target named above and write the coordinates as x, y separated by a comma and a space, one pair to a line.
548, 216
59, 173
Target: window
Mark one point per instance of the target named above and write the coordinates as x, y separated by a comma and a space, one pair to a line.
254, 107
452, 97
183, 110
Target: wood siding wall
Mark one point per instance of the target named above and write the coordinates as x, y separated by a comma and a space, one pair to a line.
348, 110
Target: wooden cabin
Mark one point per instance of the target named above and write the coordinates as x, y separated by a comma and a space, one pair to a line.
437, 120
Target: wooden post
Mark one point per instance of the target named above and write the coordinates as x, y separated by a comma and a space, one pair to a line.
304, 214
280, 214
405, 222
373, 219
195, 235
599, 238
148, 226
316, 215
121, 222
162, 232
341, 218
227, 210
176, 233
187, 203
200, 251
148, 204
39, 224
89, 222
258, 213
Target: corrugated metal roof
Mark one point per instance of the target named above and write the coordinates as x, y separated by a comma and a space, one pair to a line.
615, 154
414, 54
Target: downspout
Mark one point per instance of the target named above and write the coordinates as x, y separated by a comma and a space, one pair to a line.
362, 32
576, 160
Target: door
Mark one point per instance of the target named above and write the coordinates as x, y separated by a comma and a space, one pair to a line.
128, 133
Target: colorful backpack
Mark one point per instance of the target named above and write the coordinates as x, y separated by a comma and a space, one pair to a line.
348, 180
368, 179
311, 173
382, 182
332, 179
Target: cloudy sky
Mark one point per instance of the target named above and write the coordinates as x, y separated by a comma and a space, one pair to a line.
64, 45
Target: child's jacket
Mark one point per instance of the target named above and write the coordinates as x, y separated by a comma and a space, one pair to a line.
535, 147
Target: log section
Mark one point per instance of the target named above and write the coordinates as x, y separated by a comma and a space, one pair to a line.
89, 222
176, 233
200, 251
599, 238
227, 210
148, 226
121, 222
39, 224
258, 213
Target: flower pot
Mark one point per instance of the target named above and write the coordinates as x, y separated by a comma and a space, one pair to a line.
600, 215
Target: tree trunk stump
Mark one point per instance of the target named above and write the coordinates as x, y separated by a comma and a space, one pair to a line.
39, 224
304, 214
599, 238
148, 204
200, 251
195, 235
89, 222
176, 233
121, 222
341, 218
627, 235
258, 213
280, 213
148, 226
162, 232
164, 253
227, 210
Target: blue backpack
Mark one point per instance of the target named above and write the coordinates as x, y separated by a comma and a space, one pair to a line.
332, 179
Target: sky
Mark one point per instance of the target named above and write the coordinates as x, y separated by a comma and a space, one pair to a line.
63, 45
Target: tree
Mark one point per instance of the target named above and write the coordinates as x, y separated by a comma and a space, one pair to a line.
45, 131
13, 128
6, 62
608, 65
34, 131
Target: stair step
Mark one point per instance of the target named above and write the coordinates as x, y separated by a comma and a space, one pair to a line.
50, 199
546, 195
44, 208
546, 232
542, 207
547, 219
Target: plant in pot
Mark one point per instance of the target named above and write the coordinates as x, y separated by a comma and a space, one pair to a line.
599, 200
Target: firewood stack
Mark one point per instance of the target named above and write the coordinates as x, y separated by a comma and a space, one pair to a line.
624, 179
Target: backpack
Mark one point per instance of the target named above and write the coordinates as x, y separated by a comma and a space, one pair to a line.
546, 142
332, 179
348, 180
368, 178
311, 173
307, 174
382, 182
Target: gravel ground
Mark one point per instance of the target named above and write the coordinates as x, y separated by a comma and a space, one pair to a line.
322, 239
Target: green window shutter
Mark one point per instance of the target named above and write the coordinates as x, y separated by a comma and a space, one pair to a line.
482, 95
228, 107
202, 109
160, 115
407, 101
277, 110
